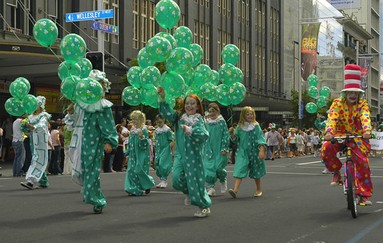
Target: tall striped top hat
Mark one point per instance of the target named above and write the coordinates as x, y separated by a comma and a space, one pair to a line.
352, 78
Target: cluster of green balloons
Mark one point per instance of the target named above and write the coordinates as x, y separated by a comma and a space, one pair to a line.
74, 71
21, 102
185, 74
320, 96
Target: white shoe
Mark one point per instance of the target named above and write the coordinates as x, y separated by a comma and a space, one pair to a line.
202, 213
164, 184
159, 185
187, 201
223, 187
211, 192
325, 171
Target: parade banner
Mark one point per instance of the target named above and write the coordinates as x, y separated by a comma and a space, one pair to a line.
377, 142
364, 63
309, 48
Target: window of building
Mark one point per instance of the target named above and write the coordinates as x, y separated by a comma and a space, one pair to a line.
202, 37
116, 19
136, 28
11, 17
224, 38
144, 23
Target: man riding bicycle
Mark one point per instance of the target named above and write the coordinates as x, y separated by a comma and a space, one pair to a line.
350, 115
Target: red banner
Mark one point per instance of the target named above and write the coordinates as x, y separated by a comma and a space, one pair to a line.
309, 48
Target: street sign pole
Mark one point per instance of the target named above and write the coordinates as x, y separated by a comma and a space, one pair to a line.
100, 34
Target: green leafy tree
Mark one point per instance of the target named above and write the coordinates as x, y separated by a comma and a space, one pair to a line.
308, 119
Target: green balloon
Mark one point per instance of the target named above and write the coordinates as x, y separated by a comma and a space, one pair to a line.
223, 92
67, 69
18, 89
173, 84
313, 92
45, 32
14, 107
208, 91
237, 93
158, 48
180, 60
86, 66
89, 91
150, 76
214, 77
24, 80
197, 53
311, 107
30, 103
134, 76
188, 76
183, 36
230, 54
72, 48
321, 101
230, 74
150, 97
167, 13
68, 87
131, 96
202, 75
312, 80
169, 37
325, 91
144, 59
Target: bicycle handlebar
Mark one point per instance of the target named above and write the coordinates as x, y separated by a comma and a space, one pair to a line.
341, 139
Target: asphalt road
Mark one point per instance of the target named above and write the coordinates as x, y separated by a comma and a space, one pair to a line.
297, 205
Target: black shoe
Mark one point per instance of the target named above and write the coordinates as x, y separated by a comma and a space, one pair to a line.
97, 209
147, 191
27, 185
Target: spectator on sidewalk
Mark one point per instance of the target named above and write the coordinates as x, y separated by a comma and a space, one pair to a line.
18, 148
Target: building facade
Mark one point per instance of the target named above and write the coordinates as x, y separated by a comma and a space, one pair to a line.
265, 31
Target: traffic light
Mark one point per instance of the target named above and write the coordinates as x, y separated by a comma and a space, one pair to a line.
97, 59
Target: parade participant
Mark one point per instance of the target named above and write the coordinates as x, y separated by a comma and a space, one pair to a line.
93, 133
137, 180
190, 135
37, 125
251, 151
350, 115
163, 159
216, 150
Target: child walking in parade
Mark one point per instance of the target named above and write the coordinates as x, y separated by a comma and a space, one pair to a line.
93, 133
216, 150
37, 126
138, 181
163, 159
251, 151
190, 136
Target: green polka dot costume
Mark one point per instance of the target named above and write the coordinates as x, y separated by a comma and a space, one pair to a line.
249, 138
188, 171
137, 178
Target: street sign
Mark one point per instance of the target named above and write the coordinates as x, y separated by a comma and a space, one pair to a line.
107, 28
91, 15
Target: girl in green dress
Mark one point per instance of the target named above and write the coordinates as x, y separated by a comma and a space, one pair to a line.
251, 151
163, 160
138, 181
190, 136
216, 150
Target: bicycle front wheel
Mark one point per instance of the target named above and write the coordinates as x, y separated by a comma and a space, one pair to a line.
352, 199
